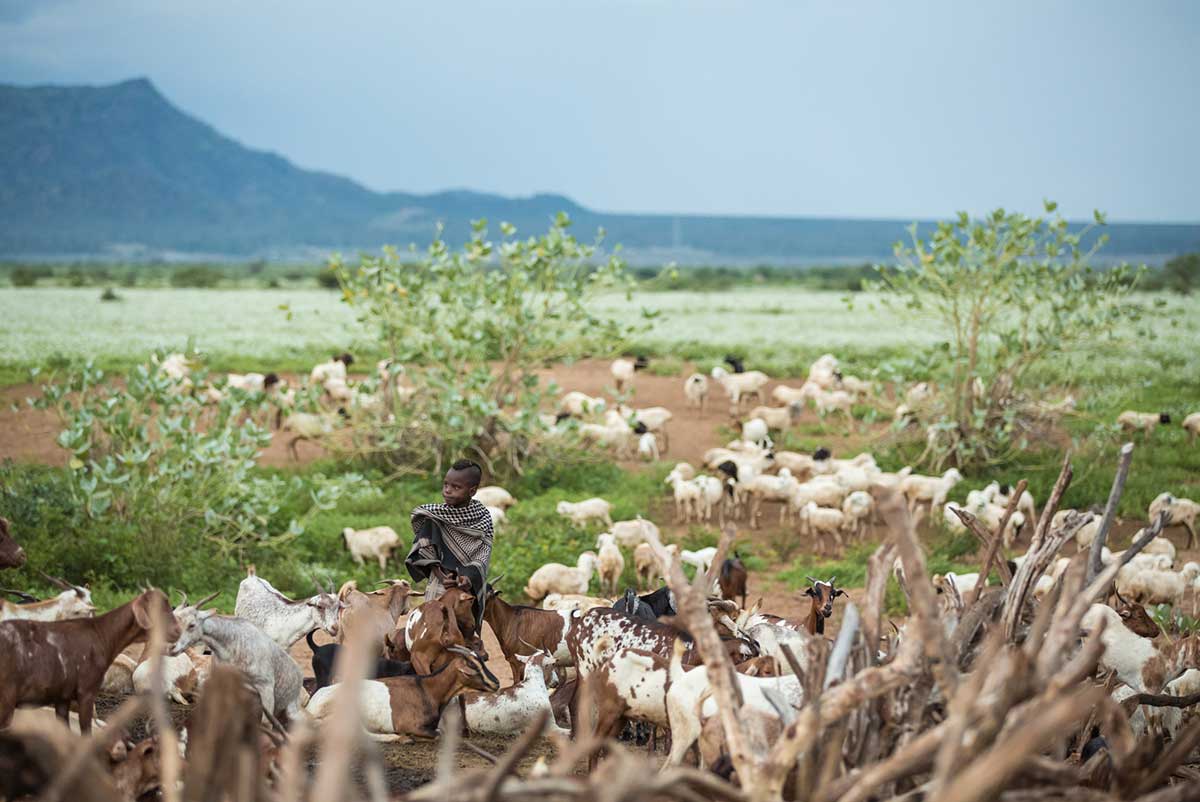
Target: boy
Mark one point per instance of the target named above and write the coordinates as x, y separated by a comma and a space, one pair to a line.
453, 539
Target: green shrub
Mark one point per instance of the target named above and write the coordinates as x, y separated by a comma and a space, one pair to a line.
199, 276
109, 294
28, 276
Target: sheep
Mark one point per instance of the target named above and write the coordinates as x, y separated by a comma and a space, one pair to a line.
285, 620
1083, 536
859, 388
592, 509
687, 497
823, 521
932, 489
558, 578
988, 514
822, 491
617, 433
308, 426
74, 602
1159, 545
770, 488
1151, 586
645, 564
376, 543
796, 395
918, 393
824, 372
631, 533
1000, 495
494, 496
64, 662
399, 707
1181, 512
177, 369
711, 494
778, 418
623, 371
858, 507
648, 447
1191, 424
737, 385
695, 390
1145, 422
835, 401
512, 710
756, 431
568, 602
654, 419
182, 674
578, 405
684, 470
335, 368
1135, 659
700, 559
610, 563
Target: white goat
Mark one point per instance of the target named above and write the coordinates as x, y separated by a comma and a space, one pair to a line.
376, 543
695, 390
610, 563
494, 496
737, 385
558, 578
581, 512
285, 620
1182, 512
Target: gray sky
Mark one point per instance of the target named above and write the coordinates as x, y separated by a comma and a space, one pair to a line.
862, 109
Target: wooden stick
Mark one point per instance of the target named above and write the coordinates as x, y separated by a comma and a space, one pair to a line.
1095, 563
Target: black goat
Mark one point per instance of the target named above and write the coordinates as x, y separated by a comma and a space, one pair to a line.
661, 602
324, 657
634, 607
735, 363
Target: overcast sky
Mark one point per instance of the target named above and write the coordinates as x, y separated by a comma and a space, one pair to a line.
862, 109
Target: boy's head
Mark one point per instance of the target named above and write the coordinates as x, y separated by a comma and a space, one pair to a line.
461, 482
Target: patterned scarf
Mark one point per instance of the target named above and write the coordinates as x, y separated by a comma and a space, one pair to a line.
457, 538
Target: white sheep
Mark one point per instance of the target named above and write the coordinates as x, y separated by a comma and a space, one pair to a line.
616, 433
821, 490
1145, 422
558, 578
579, 405
857, 508
1192, 425
835, 401
376, 543
334, 368
645, 564
655, 420
737, 385
592, 509
308, 426
756, 431
648, 447
700, 559
610, 563
778, 418
1182, 512
712, 494
859, 388
824, 372
796, 395
494, 496
1085, 535
1001, 495
687, 498
683, 470
815, 520
499, 517
933, 490
1151, 586
622, 372
918, 393
770, 488
631, 533
695, 390
574, 601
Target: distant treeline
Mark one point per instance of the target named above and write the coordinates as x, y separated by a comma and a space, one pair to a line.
1180, 274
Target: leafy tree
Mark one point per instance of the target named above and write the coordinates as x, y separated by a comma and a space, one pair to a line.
1011, 293
469, 330
1182, 273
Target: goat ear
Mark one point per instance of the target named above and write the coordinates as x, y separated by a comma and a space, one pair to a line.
838, 592
140, 614
809, 592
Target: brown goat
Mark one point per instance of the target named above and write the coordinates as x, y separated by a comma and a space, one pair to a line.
732, 579
823, 594
1136, 619
433, 634
11, 553
63, 662
525, 630
377, 611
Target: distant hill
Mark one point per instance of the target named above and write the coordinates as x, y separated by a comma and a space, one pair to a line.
118, 171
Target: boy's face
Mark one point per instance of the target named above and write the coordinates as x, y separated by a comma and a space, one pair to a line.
458, 487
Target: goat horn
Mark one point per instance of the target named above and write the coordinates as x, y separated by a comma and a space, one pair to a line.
207, 599
832, 579
24, 597
56, 581
182, 599
810, 579
465, 652
382, 582
496, 580
529, 645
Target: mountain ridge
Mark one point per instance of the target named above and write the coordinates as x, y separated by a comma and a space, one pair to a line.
96, 170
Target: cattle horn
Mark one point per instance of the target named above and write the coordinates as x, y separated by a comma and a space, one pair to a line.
60, 583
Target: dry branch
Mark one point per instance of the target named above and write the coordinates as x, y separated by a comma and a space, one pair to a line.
1095, 563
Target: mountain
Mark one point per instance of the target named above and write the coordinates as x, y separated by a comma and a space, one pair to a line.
90, 171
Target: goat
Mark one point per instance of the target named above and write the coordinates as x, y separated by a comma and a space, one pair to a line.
661, 602
411, 706
567, 602
285, 620
732, 579
11, 553
435, 626
63, 662
494, 496
522, 631
610, 563
1136, 619
511, 710
558, 578
634, 607
377, 611
324, 658
822, 595
1181, 512
73, 602
631, 685
240, 643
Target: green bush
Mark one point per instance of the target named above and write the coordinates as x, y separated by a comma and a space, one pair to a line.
199, 276
109, 294
28, 276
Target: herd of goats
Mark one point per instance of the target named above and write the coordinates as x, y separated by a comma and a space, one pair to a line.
985, 691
